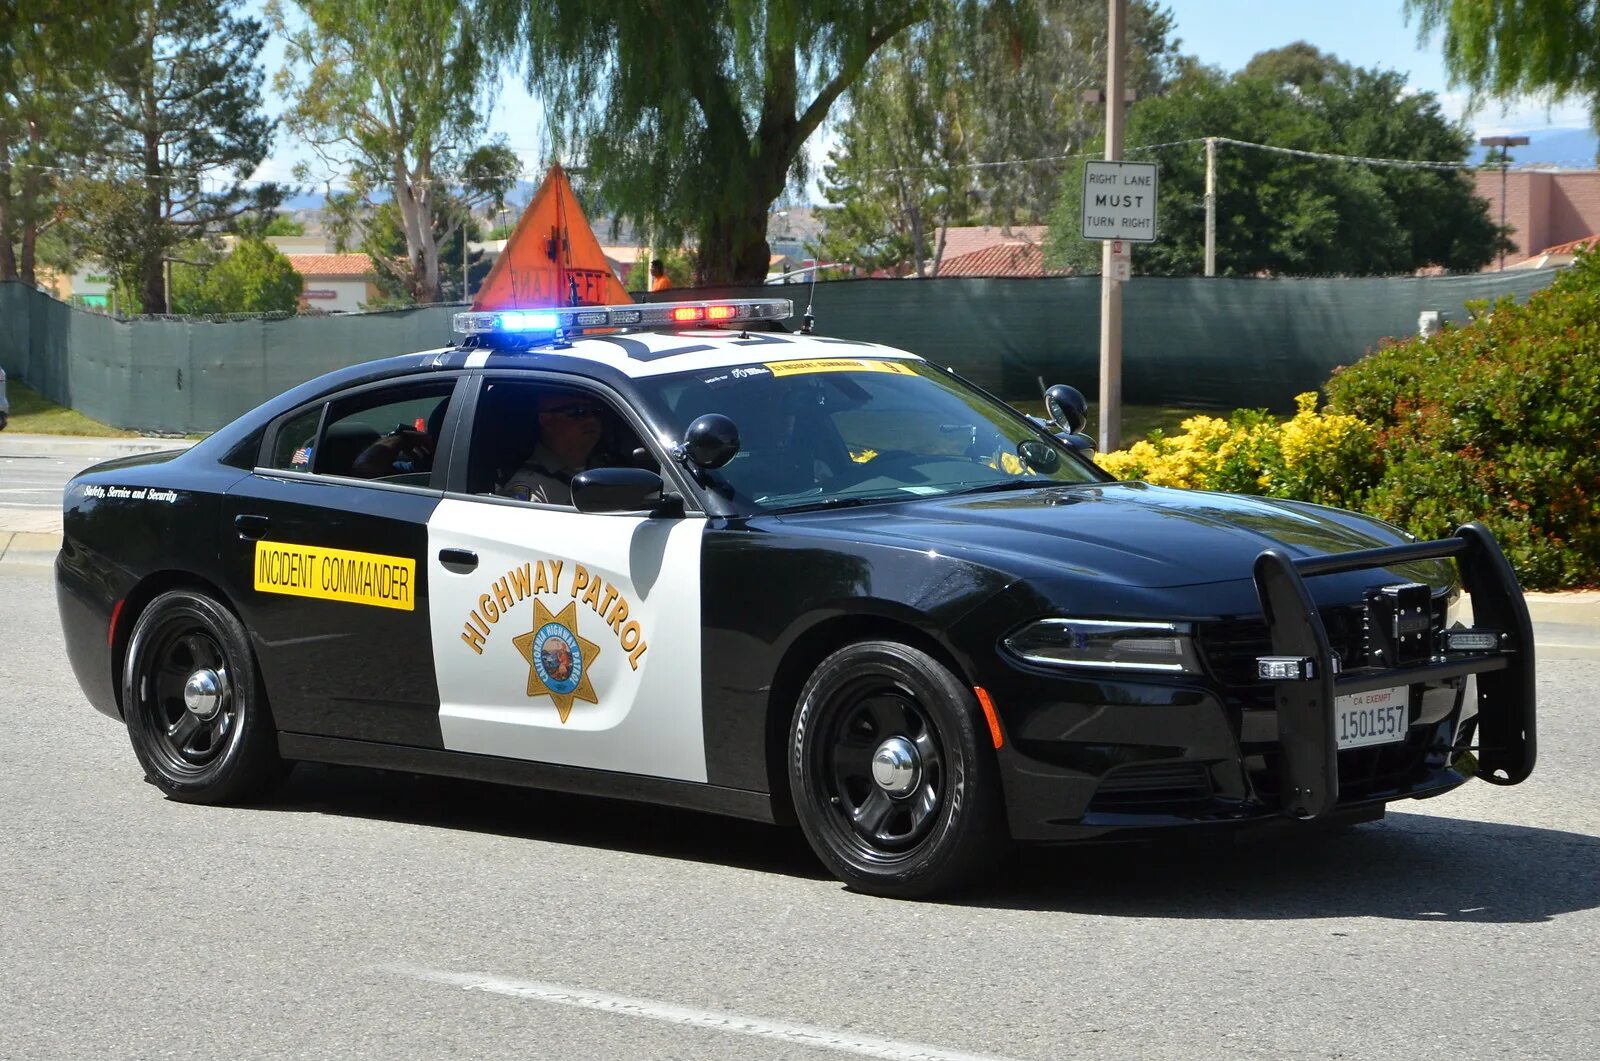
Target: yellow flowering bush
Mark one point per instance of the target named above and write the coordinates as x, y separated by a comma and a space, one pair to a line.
1329, 458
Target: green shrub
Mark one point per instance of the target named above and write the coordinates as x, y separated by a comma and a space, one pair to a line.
1497, 420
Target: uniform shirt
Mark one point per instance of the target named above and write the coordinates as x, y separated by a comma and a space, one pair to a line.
541, 478
660, 283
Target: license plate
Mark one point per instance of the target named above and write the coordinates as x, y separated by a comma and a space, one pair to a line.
1376, 717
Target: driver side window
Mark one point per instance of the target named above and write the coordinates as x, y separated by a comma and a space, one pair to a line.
531, 437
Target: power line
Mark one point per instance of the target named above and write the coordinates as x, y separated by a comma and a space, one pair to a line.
1328, 156
1362, 160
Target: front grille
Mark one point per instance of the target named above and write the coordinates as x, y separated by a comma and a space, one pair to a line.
1363, 772
1145, 787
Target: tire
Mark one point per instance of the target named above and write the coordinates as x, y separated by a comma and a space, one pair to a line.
930, 826
228, 756
2, 421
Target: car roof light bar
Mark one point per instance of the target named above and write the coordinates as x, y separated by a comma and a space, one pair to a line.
575, 320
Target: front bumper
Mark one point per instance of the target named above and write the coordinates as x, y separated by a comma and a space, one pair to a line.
1085, 757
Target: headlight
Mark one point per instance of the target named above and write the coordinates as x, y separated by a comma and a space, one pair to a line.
1115, 644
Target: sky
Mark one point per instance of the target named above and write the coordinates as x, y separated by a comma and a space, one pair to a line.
1224, 33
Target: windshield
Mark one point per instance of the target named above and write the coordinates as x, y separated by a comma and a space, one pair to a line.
842, 431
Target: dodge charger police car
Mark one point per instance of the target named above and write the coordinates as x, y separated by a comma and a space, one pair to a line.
677, 553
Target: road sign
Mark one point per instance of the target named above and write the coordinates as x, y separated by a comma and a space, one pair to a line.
1119, 201
1121, 260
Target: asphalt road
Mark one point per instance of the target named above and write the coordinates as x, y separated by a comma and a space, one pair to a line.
370, 914
37, 482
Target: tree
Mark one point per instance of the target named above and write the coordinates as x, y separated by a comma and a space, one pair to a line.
181, 101
934, 111
383, 239
1507, 49
695, 112
393, 94
1032, 105
1284, 214
897, 180
283, 226
50, 57
254, 278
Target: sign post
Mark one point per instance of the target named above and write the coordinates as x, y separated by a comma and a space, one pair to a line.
1119, 208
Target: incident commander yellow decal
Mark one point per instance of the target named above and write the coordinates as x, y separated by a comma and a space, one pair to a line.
336, 574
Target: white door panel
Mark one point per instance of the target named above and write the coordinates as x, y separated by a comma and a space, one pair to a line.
575, 640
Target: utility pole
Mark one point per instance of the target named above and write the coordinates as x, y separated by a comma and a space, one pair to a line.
1211, 206
1110, 286
1503, 142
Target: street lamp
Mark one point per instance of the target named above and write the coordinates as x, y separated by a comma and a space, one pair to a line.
1502, 142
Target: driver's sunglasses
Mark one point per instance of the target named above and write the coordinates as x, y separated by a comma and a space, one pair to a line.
576, 412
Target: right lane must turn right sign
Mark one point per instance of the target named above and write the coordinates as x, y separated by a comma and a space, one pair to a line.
1119, 201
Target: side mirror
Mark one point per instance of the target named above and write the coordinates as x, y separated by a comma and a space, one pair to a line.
711, 441
1084, 444
617, 490
1067, 407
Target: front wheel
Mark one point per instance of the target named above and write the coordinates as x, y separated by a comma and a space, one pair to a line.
197, 714
892, 785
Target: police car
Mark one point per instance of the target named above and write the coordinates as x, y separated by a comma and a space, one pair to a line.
680, 554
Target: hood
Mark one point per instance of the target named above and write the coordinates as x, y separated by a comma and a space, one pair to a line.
1128, 533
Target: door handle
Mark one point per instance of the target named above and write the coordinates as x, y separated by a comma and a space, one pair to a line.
458, 560
251, 527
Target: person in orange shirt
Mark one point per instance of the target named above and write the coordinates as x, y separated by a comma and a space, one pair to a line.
658, 276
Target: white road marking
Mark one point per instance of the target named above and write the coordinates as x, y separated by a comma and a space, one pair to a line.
650, 1009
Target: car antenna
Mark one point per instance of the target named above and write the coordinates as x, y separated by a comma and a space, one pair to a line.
810, 318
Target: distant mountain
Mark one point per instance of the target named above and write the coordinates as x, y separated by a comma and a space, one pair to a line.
1568, 148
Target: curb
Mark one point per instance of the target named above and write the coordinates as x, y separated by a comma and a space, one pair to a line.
26, 549
77, 446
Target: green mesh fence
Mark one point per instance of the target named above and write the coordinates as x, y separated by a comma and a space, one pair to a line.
1215, 343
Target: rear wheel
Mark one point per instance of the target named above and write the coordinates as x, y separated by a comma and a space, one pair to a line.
196, 711
891, 783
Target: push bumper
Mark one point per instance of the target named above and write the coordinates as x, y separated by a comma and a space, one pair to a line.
1305, 702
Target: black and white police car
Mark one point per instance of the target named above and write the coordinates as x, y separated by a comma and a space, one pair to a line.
778, 576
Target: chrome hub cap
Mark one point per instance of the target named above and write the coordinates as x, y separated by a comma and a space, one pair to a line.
202, 694
895, 766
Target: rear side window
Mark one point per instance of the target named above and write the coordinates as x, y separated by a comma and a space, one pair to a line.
388, 434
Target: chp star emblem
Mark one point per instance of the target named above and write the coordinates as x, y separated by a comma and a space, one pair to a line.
558, 658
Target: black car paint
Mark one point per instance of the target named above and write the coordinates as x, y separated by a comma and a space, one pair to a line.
778, 593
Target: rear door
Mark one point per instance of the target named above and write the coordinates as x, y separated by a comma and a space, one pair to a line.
329, 565
563, 637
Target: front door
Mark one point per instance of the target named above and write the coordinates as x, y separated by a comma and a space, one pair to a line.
562, 637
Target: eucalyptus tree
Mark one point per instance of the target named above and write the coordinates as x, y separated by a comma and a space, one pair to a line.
394, 99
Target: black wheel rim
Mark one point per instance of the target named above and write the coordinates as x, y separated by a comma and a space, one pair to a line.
876, 822
185, 742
